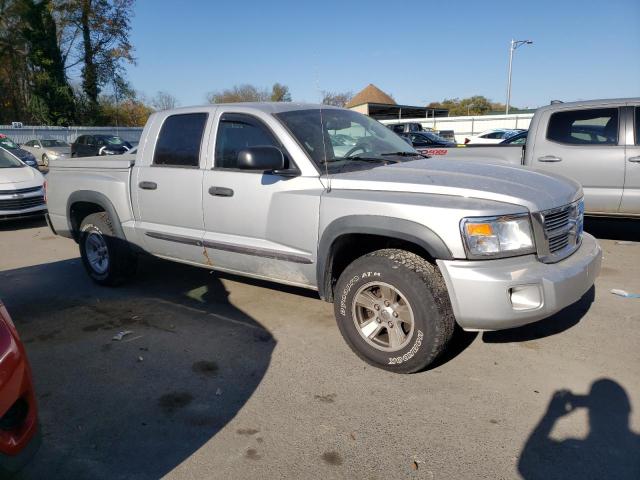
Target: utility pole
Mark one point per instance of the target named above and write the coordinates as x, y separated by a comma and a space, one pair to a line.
514, 45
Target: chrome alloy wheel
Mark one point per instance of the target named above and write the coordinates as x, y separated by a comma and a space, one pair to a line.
97, 252
383, 316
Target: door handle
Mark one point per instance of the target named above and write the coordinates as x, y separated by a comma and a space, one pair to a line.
220, 192
549, 158
635, 159
148, 185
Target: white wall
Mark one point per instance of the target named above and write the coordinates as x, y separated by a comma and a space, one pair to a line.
470, 125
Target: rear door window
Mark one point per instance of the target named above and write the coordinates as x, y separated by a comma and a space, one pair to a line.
179, 140
595, 126
637, 125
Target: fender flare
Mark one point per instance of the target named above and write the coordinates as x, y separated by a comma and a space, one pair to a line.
97, 198
373, 225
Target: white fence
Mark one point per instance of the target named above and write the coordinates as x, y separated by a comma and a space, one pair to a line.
68, 134
470, 125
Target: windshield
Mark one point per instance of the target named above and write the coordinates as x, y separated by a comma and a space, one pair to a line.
115, 141
9, 161
340, 139
6, 142
53, 143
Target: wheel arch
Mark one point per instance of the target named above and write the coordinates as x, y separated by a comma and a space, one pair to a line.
85, 202
352, 236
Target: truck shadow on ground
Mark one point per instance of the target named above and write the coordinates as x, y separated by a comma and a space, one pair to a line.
138, 407
613, 228
610, 449
561, 321
22, 224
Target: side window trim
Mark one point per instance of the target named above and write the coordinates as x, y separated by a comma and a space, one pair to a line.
256, 122
199, 150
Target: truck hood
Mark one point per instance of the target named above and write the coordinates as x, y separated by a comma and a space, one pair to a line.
534, 189
23, 177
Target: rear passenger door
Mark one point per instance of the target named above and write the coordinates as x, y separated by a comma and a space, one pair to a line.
631, 195
167, 187
585, 145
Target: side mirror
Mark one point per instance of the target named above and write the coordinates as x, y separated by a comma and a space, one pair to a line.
36, 146
266, 158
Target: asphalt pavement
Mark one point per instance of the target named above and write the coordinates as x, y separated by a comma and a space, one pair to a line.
223, 377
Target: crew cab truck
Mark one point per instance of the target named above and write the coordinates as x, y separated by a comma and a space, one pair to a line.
404, 246
597, 143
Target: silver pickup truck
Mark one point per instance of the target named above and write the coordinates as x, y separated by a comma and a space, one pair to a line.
595, 142
404, 246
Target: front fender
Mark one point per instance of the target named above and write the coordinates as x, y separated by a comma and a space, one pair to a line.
374, 225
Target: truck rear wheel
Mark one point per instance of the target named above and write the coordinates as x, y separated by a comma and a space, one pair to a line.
107, 258
393, 310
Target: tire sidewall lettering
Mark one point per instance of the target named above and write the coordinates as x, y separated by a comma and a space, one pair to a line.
411, 353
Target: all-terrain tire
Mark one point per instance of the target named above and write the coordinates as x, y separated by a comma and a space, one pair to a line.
108, 259
409, 279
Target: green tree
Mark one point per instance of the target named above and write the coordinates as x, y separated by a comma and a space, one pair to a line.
51, 99
475, 105
96, 35
14, 73
280, 93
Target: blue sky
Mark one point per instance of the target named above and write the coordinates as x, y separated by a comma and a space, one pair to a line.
417, 51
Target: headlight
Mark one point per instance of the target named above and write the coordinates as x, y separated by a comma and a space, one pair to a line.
504, 236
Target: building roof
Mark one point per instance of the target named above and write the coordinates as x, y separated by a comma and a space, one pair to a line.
370, 94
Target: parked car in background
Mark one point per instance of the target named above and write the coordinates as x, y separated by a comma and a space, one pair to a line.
14, 148
495, 135
21, 188
448, 135
19, 436
95, 145
47, 149
595, 142
517, 139
423, 141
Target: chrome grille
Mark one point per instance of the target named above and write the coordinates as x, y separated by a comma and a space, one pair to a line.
561, 231
20, 190
13, 204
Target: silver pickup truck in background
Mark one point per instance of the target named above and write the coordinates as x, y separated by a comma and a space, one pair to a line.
596, 142
404, 246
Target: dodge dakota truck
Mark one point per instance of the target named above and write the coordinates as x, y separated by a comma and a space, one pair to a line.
404, 246
595, 142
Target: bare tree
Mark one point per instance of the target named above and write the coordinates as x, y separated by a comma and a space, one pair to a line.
250, 93
239, 93
337, 99
164, 101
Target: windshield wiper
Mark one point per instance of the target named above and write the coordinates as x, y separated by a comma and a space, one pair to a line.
406, 154
369, 159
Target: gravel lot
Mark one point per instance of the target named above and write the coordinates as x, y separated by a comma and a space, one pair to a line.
228, 378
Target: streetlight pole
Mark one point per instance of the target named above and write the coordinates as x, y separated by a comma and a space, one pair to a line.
514, 45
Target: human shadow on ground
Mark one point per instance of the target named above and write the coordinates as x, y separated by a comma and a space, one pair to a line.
138, 407
561, 321
610, 450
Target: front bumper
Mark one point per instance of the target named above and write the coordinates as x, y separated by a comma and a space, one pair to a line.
510, 292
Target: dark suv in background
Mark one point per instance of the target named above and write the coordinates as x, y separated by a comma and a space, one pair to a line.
94, 145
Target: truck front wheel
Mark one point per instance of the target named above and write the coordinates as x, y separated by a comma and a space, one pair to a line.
393, 310
107, 258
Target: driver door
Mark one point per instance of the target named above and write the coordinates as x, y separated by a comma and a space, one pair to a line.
258, 223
